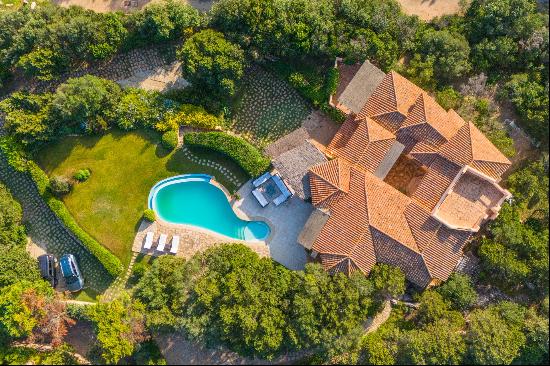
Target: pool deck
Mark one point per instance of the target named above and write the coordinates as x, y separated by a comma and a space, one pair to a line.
192, 239
285, 221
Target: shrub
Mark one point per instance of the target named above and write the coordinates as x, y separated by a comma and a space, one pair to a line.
139, 107
190, 115
139, 270
82, 175
170, 139
458, 290
247, 156
60, 185
149, 215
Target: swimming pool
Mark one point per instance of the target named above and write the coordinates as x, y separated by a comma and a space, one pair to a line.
192, 199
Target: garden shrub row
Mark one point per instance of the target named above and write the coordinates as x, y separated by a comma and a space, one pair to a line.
112, 264
247, 156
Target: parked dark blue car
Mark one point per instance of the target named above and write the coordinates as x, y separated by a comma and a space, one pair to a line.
71, 273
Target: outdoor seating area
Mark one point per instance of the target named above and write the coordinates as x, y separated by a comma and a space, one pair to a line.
269, 187
162, 241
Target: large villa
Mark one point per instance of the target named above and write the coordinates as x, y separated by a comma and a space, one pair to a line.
401, 182
407, 183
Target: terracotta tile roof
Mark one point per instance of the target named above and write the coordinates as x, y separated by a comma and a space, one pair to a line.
328, 181
362, 142
394, 96
386, 209
470, 147
429, 122
434, 184
369, 220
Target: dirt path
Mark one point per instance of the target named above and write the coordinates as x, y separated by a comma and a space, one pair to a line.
428, 9
127, 6
47, 348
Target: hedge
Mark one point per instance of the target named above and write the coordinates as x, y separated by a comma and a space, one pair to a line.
247, 156
112, 264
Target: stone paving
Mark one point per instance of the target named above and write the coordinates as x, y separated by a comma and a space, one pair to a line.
286, 222
45, 229
212, 164
192, 240
267, 108
154, 62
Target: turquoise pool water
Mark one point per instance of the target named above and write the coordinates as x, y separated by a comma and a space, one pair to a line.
192, 200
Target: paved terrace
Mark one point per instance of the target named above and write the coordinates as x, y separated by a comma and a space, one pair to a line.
192, 239
286, 221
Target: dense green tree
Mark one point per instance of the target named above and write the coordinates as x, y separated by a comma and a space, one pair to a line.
458, 291
234, 304
383, 17
27, 117
140, 108
212, 61
11, 230
164, 21
376, 351
164, 290
498, 31
529, 187
366, 44
493, 336
518, 251
450, 52
87, 102
388, 281
19, 314
119, 327
433, 307
530, 98
229, 295
277, 27
44, 63
501, 262
16, 265
439, 343
535, 351
328, 307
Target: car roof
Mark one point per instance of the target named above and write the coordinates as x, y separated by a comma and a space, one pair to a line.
64, 263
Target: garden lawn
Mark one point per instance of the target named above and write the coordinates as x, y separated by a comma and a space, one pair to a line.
124, 166
267, 108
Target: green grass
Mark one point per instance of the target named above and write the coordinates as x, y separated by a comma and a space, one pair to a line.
124, 166
87, 294
267, 108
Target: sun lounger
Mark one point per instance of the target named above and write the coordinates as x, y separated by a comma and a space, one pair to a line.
259, 181
148, 240
260, 197
162, 242
175, 244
